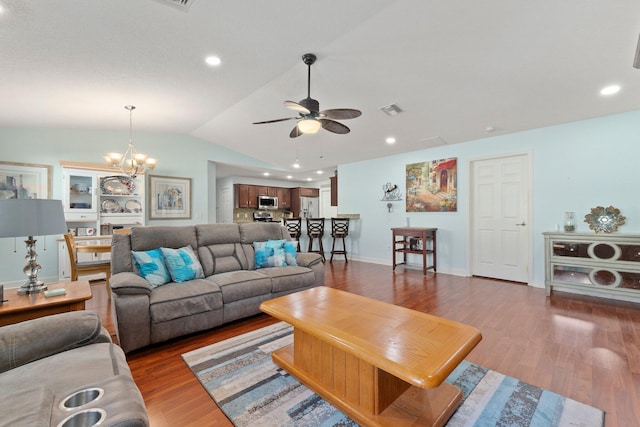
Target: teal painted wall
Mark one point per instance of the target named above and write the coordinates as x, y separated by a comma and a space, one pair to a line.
178, 155
576, 166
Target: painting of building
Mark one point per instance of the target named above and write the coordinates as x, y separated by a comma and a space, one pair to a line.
431, 186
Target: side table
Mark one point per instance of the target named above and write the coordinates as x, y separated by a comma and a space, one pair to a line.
19, 308
420, 235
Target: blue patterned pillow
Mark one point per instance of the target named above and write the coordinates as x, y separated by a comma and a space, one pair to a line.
151, 266
260, 248
290, 253
183, 264
269, 254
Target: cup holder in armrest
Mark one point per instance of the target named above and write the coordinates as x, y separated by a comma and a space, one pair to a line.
87, 418
81, 398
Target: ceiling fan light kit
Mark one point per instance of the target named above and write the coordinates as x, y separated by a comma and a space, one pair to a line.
309, 125
310, 118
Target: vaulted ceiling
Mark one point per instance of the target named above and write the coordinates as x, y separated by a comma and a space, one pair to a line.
456, 68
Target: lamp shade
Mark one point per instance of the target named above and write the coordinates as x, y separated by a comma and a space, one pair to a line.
31, 217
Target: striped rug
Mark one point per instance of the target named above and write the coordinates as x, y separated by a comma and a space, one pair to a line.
252, 391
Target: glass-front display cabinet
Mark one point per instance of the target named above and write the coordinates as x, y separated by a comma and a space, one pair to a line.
80, 195
605, 264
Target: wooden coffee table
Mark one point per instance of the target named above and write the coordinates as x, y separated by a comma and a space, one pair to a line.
19, 308
379, 363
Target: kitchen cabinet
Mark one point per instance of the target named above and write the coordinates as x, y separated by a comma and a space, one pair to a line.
284, 197
606, 265
246, 196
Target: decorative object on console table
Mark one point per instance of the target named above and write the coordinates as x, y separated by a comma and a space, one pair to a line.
169, 197
31, 217
569, 221
604, 219
24, 181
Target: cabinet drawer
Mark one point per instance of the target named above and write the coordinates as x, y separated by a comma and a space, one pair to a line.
77, 216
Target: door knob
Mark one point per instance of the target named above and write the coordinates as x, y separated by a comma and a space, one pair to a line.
523, 224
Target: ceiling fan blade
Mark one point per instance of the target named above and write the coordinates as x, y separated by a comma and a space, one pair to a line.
274, 121
341, 113
295, 132
334, 127
296, 107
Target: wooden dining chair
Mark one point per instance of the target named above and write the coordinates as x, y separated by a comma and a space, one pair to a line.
86, 267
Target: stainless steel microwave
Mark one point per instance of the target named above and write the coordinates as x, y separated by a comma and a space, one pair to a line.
267, 202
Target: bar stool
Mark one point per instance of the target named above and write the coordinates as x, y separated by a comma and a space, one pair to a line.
294, 227
315, 230
339, 230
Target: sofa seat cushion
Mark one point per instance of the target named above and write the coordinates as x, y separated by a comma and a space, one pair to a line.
241, 284
288, 278
176, 300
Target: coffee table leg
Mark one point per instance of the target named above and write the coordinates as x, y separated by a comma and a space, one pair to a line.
367, 394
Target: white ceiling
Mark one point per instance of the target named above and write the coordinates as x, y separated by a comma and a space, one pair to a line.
455, 67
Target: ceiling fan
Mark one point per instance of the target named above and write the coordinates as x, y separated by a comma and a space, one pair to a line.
310, 118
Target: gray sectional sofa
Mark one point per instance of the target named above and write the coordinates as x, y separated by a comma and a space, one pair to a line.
63, 370
232, 288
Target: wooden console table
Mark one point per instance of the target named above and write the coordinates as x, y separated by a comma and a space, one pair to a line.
381, 364
414, 234
19, 308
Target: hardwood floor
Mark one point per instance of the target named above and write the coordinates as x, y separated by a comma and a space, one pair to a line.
584, 348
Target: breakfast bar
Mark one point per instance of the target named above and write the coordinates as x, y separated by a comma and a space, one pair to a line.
379, 363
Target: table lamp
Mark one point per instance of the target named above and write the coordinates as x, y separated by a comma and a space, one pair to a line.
31, 217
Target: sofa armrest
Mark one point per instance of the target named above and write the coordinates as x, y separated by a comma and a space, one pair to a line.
308, 259
127, 283
36, 339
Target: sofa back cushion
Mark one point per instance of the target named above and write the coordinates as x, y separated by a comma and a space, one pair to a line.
262, 231
219, 248
145, 238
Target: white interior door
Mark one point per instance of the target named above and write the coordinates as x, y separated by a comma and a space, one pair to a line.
499, 214
225, 206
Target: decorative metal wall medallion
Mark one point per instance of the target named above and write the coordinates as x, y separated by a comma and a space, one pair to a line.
604, 219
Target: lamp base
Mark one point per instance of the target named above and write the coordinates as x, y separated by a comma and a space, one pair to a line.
32, 288
32, 285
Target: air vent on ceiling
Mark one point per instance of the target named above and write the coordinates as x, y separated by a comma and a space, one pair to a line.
432, 141
391, 109
180, 4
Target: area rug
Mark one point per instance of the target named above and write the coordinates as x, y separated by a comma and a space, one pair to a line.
252, 391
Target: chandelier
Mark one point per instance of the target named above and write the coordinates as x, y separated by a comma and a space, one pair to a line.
131, 162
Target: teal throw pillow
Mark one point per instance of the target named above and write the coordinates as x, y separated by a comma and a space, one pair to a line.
276, 256
183, 264
151, 266
260, 249
290, 253
269, 254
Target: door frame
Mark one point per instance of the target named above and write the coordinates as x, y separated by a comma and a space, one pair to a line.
529, 220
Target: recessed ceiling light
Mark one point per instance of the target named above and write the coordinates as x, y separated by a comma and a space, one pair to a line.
213, 60
320, 172
289, 177
266, 174
610, 90
296, 165
309, 179
391, 140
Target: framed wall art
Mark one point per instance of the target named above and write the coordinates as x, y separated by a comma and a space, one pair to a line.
25, 181
432, 186
169, 197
